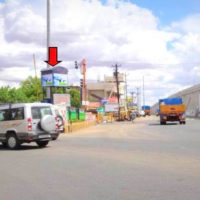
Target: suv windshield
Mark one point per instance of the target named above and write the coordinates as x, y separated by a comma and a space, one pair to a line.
39, 112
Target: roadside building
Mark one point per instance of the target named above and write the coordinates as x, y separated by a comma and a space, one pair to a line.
106, 90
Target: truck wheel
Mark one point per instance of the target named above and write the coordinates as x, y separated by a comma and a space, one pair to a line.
163, 123
184, 122
12, 141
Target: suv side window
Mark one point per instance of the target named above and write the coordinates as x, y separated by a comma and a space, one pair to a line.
4, 115
17, 113
39, 112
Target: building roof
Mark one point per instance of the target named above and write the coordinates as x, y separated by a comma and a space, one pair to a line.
187, 91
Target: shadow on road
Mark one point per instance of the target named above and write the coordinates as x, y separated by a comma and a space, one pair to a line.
158, 124
22, 148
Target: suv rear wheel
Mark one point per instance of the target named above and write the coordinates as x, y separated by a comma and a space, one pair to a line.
42, 144
12, 141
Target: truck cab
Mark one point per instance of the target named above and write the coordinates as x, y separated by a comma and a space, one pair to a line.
171, 109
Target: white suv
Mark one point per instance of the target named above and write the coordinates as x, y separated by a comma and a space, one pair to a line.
27, 122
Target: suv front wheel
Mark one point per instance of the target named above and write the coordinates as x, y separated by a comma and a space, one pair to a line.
12, 141
42, 144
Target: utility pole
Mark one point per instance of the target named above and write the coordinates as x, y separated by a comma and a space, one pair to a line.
48, 29
138, 98
143, 93
116, 73
34, 64
84, 85
126, 91
132, 97
48, 89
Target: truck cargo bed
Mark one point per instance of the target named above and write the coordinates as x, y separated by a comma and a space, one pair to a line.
172, 109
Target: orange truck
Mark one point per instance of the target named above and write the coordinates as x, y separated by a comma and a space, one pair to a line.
147, 110
172, 109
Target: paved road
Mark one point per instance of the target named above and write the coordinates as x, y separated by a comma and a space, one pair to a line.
119, 161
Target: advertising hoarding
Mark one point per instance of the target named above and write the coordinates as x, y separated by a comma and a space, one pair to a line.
54, 77
47, 80
60, 80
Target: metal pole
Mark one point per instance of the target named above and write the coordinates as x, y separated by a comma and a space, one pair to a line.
143, 93
48, 89
34, 64
48, 29
138, 99
118, 95
132, 98
84, 88
126, 90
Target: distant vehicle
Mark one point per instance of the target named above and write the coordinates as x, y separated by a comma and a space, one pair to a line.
27, 122
171, 109
142, 113
147, 110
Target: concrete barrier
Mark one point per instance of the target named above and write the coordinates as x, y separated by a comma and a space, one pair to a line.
75, 126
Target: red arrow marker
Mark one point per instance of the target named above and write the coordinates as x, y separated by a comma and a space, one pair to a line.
53, 56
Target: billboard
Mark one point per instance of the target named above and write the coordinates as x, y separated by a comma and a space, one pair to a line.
57, 80
54, 77
60, 80
47, 80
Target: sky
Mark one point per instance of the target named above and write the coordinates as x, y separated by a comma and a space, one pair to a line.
158, 40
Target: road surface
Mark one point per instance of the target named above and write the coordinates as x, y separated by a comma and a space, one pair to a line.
118, 161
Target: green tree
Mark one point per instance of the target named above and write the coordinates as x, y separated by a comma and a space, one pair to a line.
4, 94
16, 95
75, 98
31, 87
11, 95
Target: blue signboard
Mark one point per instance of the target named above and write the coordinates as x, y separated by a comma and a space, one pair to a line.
60, 80
47, 80
56, 77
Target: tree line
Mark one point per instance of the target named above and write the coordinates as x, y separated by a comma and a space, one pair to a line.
30, 90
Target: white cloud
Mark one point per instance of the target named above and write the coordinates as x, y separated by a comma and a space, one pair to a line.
117, 31
188, 25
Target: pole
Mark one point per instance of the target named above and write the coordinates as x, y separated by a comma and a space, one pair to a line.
126, 90
132, 97
138, 98
48, 29
34, 64
117, 84
143, 93
48, 89
84, 89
